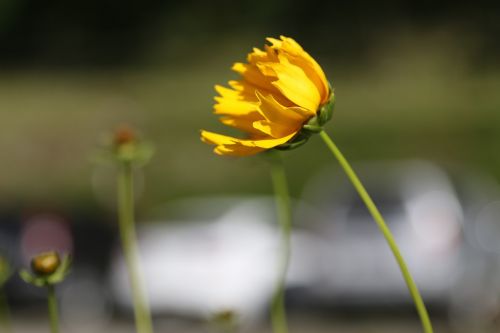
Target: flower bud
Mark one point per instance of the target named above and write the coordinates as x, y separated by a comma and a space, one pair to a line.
124, 147
45, 263
226, 318
123, 135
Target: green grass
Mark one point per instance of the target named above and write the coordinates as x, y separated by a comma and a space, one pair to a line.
407, 103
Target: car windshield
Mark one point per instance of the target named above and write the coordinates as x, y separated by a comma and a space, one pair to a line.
387, 204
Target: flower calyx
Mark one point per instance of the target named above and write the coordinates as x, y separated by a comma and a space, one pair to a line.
124, 147
47, 269
313, 126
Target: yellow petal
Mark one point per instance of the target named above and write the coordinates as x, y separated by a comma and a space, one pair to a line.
257, 56
244, 123
234, 103
244, 90
227, 145
274, 112
273, 142
297, 56
312, 69
295, 85
247, 94
272, 129
237, 150
304, 113
226, 92
216, 139
253, 76
232, 107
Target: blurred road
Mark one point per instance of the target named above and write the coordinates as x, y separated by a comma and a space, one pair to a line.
297, 325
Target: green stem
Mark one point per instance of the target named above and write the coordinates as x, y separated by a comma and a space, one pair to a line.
229, 328
417, 299
278, 314
129, 244
4, 311
52, 304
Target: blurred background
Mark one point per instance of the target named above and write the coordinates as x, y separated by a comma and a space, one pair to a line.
418, 113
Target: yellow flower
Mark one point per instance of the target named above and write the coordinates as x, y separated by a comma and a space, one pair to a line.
281, 92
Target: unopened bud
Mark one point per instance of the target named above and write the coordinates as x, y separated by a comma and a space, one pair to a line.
124, 134
226, 317
45, 263
125, 147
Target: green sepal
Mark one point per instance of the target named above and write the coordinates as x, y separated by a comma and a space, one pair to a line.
29, 278
62, 271
313, 129
135, 153
41, 281
292, 145
326, 111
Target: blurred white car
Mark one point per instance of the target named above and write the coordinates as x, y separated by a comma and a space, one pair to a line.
424, 214
436, 223
216, 254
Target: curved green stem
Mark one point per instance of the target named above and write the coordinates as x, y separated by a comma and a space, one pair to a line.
412, 287
129, 243
278, 314
52, 304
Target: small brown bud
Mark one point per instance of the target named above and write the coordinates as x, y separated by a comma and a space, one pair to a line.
124, 134
45, 263
225, 317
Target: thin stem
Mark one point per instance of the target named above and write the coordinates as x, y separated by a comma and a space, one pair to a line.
278, 314
52, 304
129, 243
417, 299
4, 311
229, 327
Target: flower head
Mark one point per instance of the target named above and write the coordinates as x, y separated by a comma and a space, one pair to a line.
45, 263
47, 268
282, 97
124, 145
123, 135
